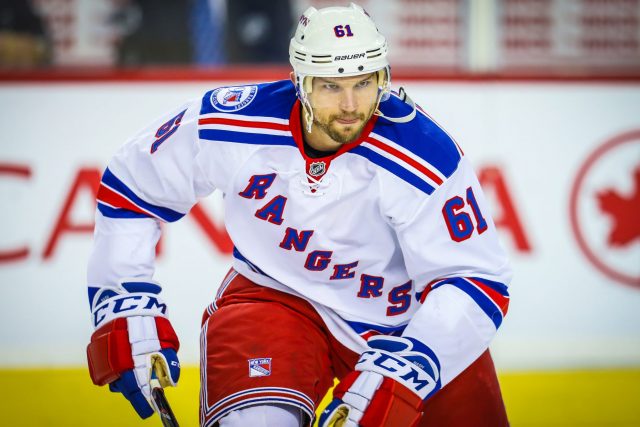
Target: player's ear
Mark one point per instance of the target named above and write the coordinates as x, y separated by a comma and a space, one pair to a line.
292, 77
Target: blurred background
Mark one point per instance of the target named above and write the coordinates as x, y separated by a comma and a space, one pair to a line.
542, 95
560, 37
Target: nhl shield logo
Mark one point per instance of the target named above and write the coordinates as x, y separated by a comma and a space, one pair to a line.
605, 208
317, 168
260, 367
233, 98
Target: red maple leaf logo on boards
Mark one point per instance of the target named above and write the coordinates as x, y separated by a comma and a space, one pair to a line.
624, 211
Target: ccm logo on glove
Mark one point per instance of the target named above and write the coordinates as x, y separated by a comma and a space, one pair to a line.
395, 367
120, 305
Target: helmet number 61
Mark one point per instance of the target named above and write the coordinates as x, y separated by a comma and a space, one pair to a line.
342, 30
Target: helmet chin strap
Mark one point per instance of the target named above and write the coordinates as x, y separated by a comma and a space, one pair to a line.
308, 113
303, 88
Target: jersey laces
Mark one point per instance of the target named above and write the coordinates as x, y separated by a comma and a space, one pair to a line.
315, 187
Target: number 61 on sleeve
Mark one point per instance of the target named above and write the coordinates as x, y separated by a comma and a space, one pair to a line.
458, 221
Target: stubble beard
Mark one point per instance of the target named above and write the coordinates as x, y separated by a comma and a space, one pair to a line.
346, 136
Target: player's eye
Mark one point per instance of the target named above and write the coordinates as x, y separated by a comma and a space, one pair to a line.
331, 86
363, 84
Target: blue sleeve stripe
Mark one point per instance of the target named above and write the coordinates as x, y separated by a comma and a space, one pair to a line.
114, 183
361, 327
392, 167
501, 288
111, 212
484, 302
245, 137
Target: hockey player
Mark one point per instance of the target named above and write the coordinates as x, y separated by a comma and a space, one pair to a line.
363, 250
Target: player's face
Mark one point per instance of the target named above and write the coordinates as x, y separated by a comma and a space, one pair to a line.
342, 106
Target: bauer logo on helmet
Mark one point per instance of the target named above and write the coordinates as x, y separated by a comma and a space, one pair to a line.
346, 57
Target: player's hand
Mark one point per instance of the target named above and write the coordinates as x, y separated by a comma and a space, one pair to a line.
388, 387
133, 342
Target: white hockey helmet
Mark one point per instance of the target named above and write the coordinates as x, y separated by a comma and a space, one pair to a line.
337, 42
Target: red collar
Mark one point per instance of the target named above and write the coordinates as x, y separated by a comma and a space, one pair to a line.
295, 126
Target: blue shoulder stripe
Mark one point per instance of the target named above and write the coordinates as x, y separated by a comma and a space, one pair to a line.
245, 137
394, 168
421, 136
166, 214
272, 99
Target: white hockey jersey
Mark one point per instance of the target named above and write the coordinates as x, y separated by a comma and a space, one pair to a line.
389, 235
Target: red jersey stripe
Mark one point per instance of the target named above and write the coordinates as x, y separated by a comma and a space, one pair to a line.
435, 178
428, 288
243, 123
501, 301
116, 200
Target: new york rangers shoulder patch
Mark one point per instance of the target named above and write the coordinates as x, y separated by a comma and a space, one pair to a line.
233, 98
260, 367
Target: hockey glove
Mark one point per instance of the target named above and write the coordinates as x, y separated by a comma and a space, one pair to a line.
388, 387
133, 342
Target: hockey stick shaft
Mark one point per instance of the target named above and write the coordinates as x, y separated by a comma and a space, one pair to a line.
160, 401
162, 405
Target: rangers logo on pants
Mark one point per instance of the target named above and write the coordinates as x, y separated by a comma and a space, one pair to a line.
260, 367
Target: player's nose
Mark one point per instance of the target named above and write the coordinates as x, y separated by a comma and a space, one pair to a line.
348, 101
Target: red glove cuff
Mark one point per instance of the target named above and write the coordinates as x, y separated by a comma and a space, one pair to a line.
166, 335
393, 405
345, 384
109, 352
